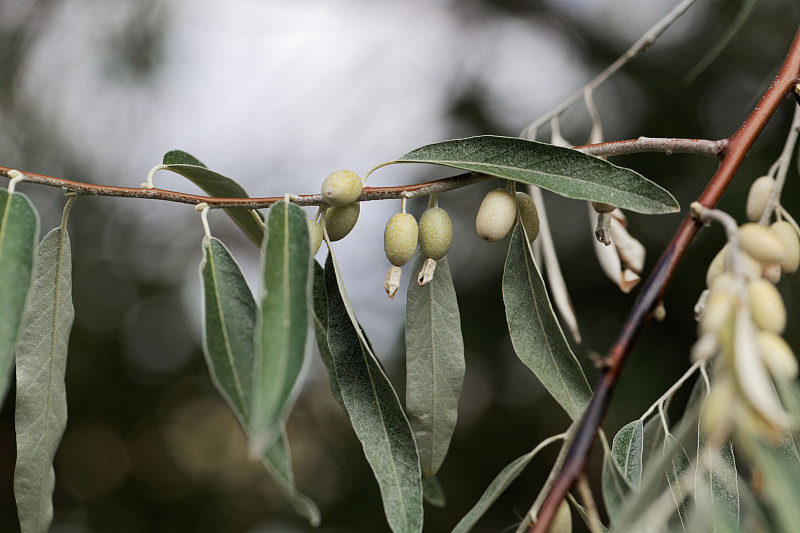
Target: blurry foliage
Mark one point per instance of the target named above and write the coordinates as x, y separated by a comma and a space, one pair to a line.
151, 447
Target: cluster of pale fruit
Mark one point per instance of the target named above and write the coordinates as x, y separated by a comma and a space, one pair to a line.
741, 318
497, 214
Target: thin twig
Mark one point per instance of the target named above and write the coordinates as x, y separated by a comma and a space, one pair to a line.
642, 144
656, 284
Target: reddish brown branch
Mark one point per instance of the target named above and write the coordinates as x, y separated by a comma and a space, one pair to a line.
653, 290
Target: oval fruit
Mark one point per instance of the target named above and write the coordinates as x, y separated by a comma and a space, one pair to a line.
758, 196
791, 244
314, 235
496, 215
435, 233
760, 243
342, 188
400, 238
529, 215
766, 305
339, 221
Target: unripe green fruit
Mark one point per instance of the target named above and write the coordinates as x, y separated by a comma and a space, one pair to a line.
435, 233
766, 306
342, 188
760, 243
791, 244
339, 221
496, 215
314, 235
529, 215
400, 238
758, 197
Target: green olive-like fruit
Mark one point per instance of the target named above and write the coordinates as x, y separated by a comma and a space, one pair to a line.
435, 233
758, 196
496, 215
314, 235
791, 244
342, 188
400, 238
339, 221
529, 215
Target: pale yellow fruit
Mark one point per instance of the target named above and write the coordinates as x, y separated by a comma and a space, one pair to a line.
791, 244
339, 221
718, 408
760, 243
400, 238
562, 521
600, 207
496, 215
342, 188
771, 272
314, 235
717, 266
529, 215
758, 196
719, 312
766, 306
435, 233
777, 354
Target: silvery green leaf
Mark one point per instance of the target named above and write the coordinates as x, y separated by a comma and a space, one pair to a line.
19, 230
720, 481
589, 521
375, 413
676, 468
563, 171
319, 318
228, 344
432, 491
218, 186
277, 459
41, 406
615, 486
535, 333
434, 363
282, 325
627, 451
228, 336
781, 486
652, 442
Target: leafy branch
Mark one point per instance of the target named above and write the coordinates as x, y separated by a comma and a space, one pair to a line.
737, 146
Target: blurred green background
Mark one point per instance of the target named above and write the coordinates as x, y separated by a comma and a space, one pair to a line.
277, 94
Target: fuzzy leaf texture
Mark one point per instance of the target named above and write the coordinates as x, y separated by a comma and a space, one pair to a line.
19, 230
319, 318
622, 468
676, 468
563, 171
218, 186
282, 327
375, 413
41, 404
228, 345
434, 363
535, 333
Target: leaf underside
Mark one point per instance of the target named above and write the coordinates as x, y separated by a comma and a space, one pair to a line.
563, 171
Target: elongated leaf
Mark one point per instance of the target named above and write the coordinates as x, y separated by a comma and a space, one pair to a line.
535, 333
676, 468
19, 229
434, 363
616, 487
720, 481
41, 409
282, 326
781, 487
588, 520
627, 451
561, 170
218, 186
433, 492
230, 321
228, 344
319, 317
376, 414
652, 442
277, 459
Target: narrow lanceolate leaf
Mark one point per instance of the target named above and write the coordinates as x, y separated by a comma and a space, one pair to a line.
19, 229
434, 363
592, 523
277, 459
432, 491
676, 468
218, 186
622, 468
283, 322
41, 408
228, 344
376, 414
616, 488
561, 170
535, 333
720, 481
230, 317
319, 318
781, 485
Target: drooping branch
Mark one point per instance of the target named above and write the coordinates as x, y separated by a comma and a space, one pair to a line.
642, 144
653, 290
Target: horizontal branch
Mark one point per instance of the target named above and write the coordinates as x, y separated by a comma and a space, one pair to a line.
608, 149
